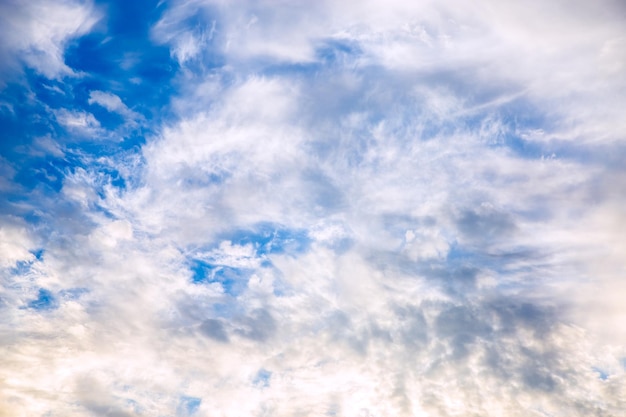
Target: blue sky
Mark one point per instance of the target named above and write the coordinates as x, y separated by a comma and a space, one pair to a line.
276, 208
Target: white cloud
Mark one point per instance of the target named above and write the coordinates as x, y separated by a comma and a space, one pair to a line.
186, 41
38, 31
79, 122
15, 243
535, 50
45, 145
380, 321
449, 269
114, 104
110, 234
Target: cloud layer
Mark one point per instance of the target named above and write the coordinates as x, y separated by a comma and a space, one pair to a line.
348, 209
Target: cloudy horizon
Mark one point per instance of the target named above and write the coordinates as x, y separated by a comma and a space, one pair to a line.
276, 208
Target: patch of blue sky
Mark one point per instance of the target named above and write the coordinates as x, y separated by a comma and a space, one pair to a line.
269, 67
139, 72
44, 177
603, 375
31, 118
524, 148
522, 114
266, 239
120, 58
518, 117
108, 175
52, 92
33, 217
336, 50
117, 57
457, 254
280, 289
21, 119
43, 171
115, 178
225, 310
196, 179
188, 406
462, 266
262, 378
21, 268
45, 301
270, 238
107, 119
232, 280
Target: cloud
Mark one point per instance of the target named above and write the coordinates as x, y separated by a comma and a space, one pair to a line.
15, 242
82, 123
188, 28
37, 33
114, 104
351, 209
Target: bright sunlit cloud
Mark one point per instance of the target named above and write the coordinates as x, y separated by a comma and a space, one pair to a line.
330, 209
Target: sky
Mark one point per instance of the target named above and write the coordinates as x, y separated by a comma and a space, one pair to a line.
330, 208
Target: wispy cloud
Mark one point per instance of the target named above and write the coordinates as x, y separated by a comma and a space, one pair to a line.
350, 209
80, 122
114, 104
37, 33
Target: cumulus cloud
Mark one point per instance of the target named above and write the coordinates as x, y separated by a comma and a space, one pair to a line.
364, 210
